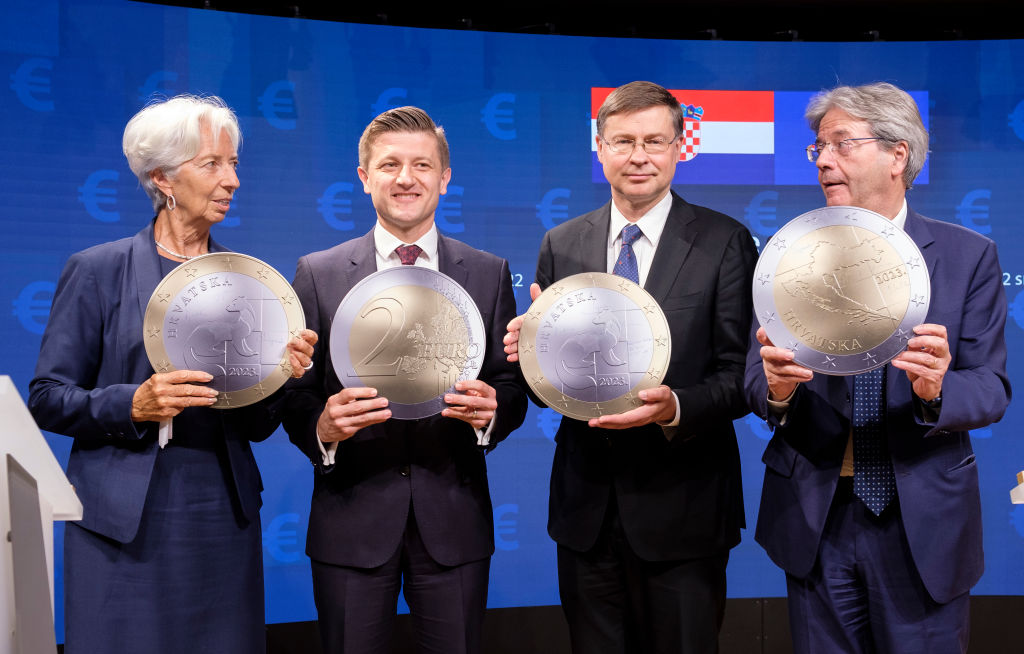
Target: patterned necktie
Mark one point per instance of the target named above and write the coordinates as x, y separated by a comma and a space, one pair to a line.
625, 265
408, 254
873, 479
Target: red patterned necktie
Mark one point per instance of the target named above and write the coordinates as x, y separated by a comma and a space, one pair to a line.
408, 254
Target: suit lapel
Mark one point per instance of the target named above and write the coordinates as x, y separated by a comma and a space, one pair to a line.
362, 262
673, 248
450, 263
593, 241
146, 266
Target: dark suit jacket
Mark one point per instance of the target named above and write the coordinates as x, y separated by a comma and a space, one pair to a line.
936, 475
92, 360
360, 505
678, 498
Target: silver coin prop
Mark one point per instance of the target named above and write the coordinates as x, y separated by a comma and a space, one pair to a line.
411, 333
843, 288
227, 314
591, 342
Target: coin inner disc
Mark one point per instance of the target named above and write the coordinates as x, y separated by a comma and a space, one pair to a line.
603, 353
411, 343
237, 332
842, 289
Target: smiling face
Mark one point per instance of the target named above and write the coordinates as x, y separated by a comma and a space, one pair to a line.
204, 185
869, 175
404, 179
639, 179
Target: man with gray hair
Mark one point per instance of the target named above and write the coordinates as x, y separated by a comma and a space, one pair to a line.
882, 545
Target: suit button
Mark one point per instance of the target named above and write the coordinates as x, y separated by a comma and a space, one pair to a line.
404, 471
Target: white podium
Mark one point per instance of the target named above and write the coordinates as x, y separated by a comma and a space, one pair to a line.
33, 493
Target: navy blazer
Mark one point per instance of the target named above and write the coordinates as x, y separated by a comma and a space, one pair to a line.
936, 473
360, 505
678, 498
92, 360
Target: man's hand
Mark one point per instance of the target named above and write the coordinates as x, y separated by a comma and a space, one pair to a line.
782, 372
349, 411
926, 360
659, 405
474, 403
511, 339
300, 352
166, 394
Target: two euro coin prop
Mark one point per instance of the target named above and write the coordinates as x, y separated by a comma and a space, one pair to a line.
411, 333
591, 342
227, 314
843, 288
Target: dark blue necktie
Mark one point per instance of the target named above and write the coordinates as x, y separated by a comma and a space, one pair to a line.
625, 265
873, 479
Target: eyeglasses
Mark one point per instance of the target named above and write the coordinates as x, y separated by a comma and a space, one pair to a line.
655, 145
841, 148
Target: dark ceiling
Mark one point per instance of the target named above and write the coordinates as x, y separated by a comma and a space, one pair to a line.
738, 20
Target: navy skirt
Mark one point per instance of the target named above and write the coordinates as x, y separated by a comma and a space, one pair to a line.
192, 580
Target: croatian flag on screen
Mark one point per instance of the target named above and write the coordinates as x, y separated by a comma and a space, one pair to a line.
741, 137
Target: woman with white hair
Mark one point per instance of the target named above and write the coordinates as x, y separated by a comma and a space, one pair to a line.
167, 556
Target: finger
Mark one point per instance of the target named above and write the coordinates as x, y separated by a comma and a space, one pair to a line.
534, 291
182, 377
475, 387
513, 328
354, 393
931, 329
309, 336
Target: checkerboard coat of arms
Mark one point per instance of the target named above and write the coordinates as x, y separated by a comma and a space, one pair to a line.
690, 138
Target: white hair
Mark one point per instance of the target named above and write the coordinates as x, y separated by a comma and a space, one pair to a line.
167, 133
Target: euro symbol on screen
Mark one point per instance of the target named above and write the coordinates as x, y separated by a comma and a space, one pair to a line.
973, 209
761, 217
32, 306
95, 197
272, 104
281, 538
331, 204
495, 118
1017, 120
154, 84
449, 208
386, 100
548, 421
26, 84
552, 214
505, 527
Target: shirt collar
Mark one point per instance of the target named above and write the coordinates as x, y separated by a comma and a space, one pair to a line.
900, 219
652, 223
385, 243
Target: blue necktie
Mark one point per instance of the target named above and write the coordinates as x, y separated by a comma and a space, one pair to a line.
625, 265
873, 479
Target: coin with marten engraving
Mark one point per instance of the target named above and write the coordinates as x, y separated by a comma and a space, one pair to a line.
591, 342
227, 314
843, 288
411, 333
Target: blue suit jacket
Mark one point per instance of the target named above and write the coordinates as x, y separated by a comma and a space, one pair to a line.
91, 361
361, 504
936, 474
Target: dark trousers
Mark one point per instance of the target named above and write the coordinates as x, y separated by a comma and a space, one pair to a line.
356, 606
618, 603
864, 594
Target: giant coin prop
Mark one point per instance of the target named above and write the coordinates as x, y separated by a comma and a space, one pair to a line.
843, 288
411, 333
227, 314
591, 342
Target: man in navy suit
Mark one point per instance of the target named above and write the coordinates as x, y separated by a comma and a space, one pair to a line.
884, 564
645, 505
402, 502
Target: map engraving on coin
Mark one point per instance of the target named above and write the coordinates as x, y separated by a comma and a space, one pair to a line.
591, 342
843, 288
227, 314
411, 333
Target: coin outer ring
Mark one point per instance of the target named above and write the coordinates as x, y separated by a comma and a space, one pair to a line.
831, 363
579, 409
351, 306
222, 262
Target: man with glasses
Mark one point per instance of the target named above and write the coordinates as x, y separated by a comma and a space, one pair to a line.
882, 545
645, 505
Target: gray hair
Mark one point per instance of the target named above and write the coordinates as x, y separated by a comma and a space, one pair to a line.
637, 96
889, 111
167, 133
